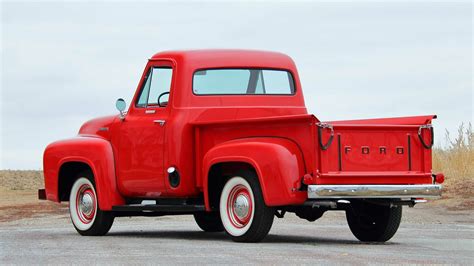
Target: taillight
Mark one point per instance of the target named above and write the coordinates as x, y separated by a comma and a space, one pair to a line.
439, 178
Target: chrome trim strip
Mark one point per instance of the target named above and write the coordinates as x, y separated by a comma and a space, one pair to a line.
373, 191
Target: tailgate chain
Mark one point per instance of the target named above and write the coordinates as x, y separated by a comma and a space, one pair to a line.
322, 126
430, 127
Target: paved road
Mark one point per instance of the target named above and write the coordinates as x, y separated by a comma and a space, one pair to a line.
165, 240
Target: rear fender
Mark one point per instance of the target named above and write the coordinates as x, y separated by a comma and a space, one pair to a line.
278, 163
97, 154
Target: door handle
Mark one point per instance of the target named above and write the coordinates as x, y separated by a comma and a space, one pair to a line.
159, 121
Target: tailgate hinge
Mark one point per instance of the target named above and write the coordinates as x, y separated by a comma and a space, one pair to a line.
322, 126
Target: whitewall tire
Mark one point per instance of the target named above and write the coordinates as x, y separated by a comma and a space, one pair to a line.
243, 212
236, 206
84, 210
83, 204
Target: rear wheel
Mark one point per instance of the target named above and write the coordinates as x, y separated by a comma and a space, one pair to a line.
243, 212
86, 216
373, 223
209, 221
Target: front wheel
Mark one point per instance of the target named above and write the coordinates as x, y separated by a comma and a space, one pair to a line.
373, 223
86, 216
244, 215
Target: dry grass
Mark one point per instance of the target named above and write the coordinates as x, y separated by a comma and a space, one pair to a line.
456, 161
19, 196
21, 180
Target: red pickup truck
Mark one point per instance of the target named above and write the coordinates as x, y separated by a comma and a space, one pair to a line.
224, 135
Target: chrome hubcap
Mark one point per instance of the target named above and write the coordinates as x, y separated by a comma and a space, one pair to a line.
86, 204
241, 206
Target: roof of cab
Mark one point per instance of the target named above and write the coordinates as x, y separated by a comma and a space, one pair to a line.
217, 58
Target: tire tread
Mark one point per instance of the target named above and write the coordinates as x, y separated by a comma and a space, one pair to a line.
382, 233
209, 222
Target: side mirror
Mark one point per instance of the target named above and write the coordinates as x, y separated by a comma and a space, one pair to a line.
121, 105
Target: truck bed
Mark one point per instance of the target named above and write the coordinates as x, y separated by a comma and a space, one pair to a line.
376, 151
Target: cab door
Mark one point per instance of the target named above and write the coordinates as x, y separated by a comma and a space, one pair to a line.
141, 151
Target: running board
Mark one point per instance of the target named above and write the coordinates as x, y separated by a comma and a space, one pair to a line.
158, 208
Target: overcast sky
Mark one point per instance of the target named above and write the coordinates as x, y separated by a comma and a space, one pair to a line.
65, 63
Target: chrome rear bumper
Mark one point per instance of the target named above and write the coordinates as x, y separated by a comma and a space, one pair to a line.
373, 191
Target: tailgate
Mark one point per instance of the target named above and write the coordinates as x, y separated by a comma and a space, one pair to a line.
375, 153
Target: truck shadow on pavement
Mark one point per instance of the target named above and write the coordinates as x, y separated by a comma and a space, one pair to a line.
203, 236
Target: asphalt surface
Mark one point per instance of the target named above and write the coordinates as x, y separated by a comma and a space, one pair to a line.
51, 239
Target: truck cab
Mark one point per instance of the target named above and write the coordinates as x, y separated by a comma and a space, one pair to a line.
224, 135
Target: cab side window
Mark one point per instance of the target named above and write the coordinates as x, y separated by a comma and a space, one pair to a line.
158, 81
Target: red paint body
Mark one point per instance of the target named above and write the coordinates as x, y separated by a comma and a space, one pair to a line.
272, 133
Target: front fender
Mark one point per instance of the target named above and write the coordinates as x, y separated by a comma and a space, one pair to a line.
97, 154
278, 163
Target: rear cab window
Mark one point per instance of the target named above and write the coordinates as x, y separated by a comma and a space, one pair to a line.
243, 82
